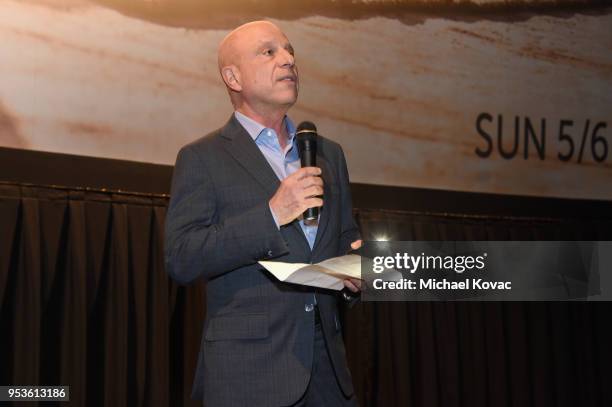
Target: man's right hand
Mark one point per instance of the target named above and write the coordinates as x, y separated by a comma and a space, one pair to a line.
297, 193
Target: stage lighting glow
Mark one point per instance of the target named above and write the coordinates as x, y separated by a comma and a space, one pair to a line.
382, 238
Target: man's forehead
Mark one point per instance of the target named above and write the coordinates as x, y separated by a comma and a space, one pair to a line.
249, 38
273, 41
264, 33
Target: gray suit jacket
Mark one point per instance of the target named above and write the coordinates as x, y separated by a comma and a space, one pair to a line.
257, 343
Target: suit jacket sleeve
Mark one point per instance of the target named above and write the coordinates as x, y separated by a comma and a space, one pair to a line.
197, 243
350, 231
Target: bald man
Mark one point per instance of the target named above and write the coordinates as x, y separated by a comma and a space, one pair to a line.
237, 197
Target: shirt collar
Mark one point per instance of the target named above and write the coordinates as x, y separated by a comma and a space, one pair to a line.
255, 129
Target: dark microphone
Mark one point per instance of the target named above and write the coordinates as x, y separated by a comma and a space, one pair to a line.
306, 136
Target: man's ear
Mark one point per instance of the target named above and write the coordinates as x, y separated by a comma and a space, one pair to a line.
231, 77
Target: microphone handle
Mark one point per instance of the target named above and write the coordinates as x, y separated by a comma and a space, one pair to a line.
310, 160
311, 214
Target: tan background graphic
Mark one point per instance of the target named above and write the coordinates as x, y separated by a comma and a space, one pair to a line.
399, 87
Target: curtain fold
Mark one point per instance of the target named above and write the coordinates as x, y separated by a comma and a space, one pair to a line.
481, 353
85, 302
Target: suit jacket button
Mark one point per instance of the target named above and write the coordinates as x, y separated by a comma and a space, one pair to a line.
308, 307
269, 253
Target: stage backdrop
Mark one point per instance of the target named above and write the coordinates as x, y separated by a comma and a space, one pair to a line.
486, 96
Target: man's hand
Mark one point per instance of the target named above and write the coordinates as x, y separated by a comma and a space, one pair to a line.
353, 284
297, 193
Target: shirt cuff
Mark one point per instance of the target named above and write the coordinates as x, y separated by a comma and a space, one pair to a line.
274, 217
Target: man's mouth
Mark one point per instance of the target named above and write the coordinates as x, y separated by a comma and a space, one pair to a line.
288, 78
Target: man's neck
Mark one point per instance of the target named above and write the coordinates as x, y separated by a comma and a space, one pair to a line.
273, 120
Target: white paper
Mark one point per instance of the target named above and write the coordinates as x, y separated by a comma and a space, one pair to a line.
326, 274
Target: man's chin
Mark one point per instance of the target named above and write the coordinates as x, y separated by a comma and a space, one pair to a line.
287, 101
281, 100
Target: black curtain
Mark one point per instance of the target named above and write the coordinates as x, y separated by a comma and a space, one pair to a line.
450, 354
85, 302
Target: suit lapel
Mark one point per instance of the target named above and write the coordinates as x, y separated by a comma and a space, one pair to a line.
244, 150
327, 176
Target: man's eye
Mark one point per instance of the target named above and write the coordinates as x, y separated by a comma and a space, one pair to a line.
268, 52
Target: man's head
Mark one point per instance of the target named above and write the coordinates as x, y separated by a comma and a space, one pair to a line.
257, 65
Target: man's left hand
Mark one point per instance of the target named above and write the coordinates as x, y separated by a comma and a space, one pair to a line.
353, 284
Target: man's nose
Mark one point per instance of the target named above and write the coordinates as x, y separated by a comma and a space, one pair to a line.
286, 58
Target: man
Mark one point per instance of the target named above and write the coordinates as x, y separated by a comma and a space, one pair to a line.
237, 198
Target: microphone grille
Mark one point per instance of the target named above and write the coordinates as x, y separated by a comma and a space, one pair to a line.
306, 127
